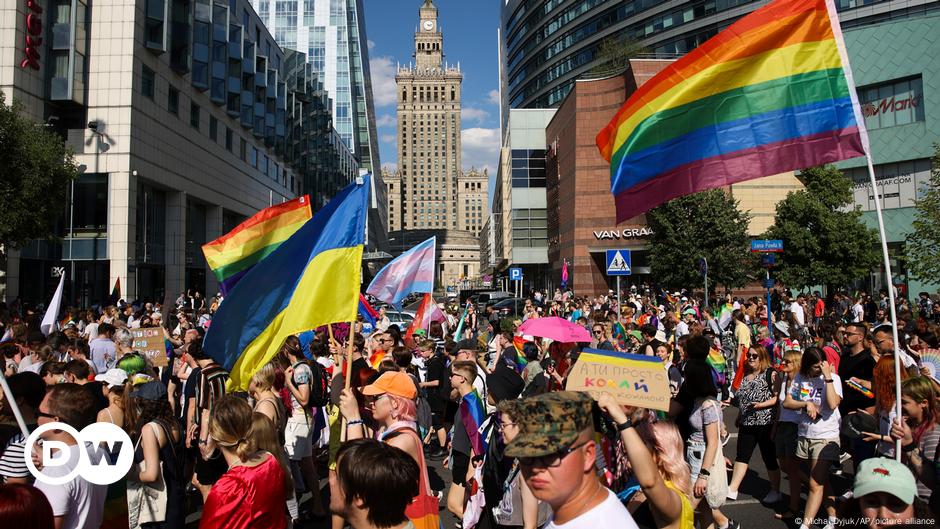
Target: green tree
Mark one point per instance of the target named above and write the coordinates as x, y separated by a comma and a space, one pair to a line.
707, 224
923, 242
614, 54
825, 241
37, 168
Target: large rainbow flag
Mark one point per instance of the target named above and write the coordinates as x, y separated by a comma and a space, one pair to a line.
767, 95
310, 280
232, 255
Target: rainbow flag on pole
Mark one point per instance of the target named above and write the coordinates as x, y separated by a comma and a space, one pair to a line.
770, 94
232, 255
321, 263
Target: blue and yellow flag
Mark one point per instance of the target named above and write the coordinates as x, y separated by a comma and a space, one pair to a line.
321, 263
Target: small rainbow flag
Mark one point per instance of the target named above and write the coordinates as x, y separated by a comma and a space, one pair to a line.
767, 95
232, 255
521, 361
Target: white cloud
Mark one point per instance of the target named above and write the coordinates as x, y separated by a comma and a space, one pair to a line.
480, 148
389, 138
370, 43
384, 89
386, 120
474, 114
493, 97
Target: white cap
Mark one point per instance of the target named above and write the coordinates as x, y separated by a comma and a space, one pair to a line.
114, 377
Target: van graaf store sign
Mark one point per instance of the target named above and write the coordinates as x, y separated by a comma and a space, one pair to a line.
33, 35
626, 233
898, 184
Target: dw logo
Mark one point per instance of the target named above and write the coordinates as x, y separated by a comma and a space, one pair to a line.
106, 454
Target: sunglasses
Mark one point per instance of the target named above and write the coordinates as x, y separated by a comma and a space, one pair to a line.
46, 415
551, 460
753, 357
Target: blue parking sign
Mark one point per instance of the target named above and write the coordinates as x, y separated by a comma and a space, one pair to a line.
515, 274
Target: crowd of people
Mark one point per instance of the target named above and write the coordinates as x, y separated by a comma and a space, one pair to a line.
809, 383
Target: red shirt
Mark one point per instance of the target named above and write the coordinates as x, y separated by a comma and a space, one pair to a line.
247, 497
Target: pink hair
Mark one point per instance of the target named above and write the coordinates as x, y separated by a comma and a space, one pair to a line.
405, 408
664, 442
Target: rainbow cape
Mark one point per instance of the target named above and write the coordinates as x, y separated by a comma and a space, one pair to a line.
767, 95
232, 255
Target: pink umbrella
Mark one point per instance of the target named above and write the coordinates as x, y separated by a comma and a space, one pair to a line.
557, 329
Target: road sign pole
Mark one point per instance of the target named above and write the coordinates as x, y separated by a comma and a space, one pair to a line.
619, 309
706, 288
770, 316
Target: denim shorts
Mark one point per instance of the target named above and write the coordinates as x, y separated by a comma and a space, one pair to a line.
694, 453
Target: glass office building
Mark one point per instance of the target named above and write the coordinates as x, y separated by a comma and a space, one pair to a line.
332, 34
545, 45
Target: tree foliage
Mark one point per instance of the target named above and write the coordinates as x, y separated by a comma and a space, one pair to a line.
922, 247
825, 241
707, 224
614, 54
36, 169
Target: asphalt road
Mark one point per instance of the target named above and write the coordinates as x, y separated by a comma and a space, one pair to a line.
746, 509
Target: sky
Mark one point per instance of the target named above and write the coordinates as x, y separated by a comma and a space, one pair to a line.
469, 28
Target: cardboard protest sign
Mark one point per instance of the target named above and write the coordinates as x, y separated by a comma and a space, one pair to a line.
634, 380
151, 342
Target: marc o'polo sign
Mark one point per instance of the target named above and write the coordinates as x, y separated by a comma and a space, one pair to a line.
104, 454
633, 380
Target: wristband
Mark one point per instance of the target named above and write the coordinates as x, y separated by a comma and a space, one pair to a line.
828, 381
624, 425
704, 472
354, 422
909, 448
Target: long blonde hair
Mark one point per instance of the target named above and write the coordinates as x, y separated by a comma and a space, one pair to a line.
264, 437
664, 442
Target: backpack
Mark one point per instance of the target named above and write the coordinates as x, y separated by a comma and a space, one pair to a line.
423, 408
319, 386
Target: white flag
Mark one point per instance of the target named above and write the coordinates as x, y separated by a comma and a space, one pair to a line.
49, 320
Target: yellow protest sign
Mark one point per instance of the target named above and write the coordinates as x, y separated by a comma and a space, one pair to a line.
634, 380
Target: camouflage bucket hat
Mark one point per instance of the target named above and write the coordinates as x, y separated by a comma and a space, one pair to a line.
550, 422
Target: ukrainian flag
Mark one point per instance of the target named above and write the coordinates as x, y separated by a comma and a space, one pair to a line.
313, 278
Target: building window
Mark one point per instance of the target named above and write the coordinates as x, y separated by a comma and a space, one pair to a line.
892, 103
242, 149
155, 25
173, 101
194, 115
213, 128
529, 228
228, 139
147, 82
253, 161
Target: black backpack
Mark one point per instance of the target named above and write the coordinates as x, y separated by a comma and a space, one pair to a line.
319, 386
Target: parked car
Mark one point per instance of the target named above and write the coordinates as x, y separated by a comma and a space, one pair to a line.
512, 306
485, 299
401, 319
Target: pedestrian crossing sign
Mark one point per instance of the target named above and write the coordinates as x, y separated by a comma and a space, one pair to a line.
618, 263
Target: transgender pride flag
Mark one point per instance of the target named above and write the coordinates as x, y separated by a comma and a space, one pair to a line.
412, 271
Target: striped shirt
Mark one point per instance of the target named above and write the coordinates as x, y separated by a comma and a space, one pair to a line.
12, 462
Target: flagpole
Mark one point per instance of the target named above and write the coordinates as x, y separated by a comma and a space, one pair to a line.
13, 406
866, 146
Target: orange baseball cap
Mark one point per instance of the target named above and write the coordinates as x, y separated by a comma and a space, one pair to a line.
394, 383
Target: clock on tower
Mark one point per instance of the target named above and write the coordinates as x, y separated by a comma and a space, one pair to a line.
428, 25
